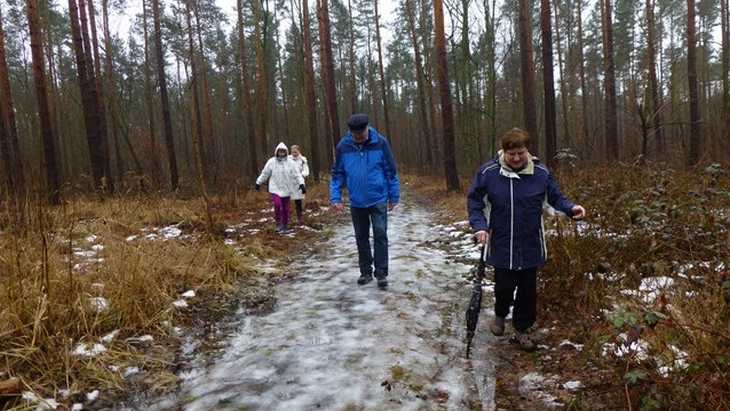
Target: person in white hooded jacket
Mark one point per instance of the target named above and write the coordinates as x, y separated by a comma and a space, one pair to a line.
284, 179
301, 162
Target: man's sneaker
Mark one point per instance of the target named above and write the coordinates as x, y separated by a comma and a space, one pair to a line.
364, 279
383, 282
279, 229
497, 326
525, 342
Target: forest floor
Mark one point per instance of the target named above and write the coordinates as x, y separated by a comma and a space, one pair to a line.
634, 305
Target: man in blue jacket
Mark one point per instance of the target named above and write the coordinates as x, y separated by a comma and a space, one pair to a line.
505, 204
366, 165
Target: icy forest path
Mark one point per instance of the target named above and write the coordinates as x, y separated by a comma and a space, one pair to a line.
330, 344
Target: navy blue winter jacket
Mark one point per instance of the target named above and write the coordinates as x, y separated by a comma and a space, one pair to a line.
510, 205
368, 169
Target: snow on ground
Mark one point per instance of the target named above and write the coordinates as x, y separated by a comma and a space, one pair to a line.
533, 386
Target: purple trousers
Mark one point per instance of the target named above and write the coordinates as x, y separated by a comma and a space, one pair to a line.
281, 209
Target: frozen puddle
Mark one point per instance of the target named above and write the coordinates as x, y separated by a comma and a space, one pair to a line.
329, 344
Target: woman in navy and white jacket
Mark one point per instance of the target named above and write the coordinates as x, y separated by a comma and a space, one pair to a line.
505, 204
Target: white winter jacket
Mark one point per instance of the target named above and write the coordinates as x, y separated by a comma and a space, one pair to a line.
303, 168
283, 175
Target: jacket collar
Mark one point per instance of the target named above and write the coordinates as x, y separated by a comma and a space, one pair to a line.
372, 137
506, 171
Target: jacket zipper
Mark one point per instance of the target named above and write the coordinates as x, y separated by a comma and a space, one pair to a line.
511, 221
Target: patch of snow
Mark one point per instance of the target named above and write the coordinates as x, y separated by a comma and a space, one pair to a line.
84, 253
99, 304
64, 393
638, 349
573, 385
130, 371
92, 396
532, 385
230, 230
109, 337
97, 247
180, 304
170, 232
91, 238
42, 404
152, 237
578, 347
88, 351
114, 368
263, 220
143, 339
229, 242
131, 238
77, 406
188, 294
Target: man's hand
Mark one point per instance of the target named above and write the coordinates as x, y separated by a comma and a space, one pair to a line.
338, 207
303, 189
391, 206
481, 236
579, 212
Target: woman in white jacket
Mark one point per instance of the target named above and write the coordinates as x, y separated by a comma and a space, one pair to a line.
284, 179
301, 162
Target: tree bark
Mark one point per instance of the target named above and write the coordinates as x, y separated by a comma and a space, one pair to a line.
148, 95
725, 27
656, 105
103, 132
612, 148
352, 60
162, 80
584, 125
548, 81
383, 84
247, 103
695, 138
310, 97
14, 166
262, 82
328, 76
563, 93
53, 184
527, 64
420, 85
447, 114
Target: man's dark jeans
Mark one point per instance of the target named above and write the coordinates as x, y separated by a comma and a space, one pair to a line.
525, 309
361, 219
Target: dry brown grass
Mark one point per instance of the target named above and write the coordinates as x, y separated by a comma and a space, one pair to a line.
667, 218
51, 281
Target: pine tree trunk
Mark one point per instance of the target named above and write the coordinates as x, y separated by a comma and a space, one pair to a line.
447, 114
383, 83
53, 184
695, 138
89, 98
725, 27
14, 166
262, 82
197, 143
612, 148
162, 80
328, 77
100, 98
352, 61
310, 97
209, 139
148, 95
527, 64
548, 81
583, 86
563, 93
656, 105
425, 129
112, 95
247, 103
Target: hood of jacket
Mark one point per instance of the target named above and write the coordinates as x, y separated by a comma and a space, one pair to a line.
281, 146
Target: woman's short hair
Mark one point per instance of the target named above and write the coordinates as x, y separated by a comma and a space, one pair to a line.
515, 138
